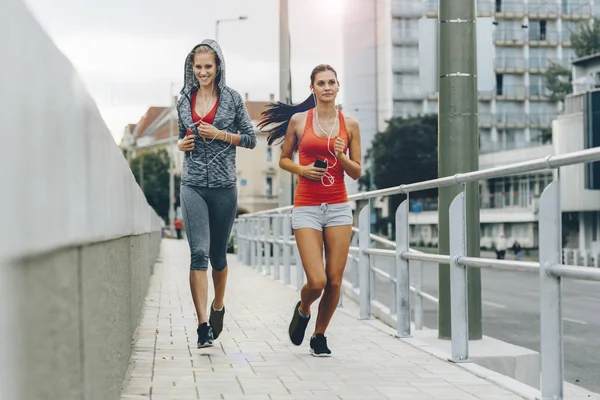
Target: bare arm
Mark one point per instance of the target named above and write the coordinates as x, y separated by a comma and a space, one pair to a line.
352, 163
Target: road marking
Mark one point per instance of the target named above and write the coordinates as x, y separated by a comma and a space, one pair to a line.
492, 304
575, 321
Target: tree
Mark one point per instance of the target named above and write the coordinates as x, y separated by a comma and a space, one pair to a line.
151, 171
587, 41
558, 81
406, 152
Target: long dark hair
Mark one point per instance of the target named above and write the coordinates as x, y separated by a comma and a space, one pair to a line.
279, 114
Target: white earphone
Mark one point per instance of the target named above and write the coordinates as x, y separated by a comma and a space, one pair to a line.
214, 137
327, 175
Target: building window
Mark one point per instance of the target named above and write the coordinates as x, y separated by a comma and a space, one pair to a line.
269, 186
594, 221
499, 81
269, 155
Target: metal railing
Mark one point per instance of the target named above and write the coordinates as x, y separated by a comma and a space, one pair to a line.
263, 238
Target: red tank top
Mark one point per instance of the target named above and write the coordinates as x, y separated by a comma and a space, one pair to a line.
208, 118
311, 147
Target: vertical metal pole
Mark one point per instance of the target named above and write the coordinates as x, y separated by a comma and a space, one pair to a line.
267, 236
276, 247
171, 163
458, 280
247, 244
287, 231
253, 233
402, 272
458, 149
259, 245
418, 298
551, 334
364, 268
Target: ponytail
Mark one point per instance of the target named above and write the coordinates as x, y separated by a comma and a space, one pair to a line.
280, 114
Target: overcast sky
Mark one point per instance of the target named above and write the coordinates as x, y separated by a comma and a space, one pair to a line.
129, 51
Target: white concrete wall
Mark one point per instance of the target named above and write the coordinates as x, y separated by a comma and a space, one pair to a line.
67, 181
64, 185
567, 137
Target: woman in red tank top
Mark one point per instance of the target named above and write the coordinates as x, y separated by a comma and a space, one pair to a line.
328, 145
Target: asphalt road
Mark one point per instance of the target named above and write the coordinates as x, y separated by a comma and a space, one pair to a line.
511, 313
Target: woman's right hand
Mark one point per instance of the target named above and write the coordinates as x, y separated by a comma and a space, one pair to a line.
187, 144
311, 172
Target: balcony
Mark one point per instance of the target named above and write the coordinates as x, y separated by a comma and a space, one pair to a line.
541, 63
542, 11
548, 38
541, 120
510, 10
407, 8
510, 37
573, 11
485, 8
510, 64
408, 92
405, 36
406, 64
485, 119
431, 8
538, 92
511, 119
511, 92
509, 143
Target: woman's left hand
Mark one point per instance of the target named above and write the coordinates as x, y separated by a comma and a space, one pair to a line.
208, 132
339, 146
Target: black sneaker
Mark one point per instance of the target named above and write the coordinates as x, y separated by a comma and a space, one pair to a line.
298, 326
216, 320
205, 335
318, 346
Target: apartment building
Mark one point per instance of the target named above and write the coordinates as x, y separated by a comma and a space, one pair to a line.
381, 65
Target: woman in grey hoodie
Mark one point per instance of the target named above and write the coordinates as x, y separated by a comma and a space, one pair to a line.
213, 121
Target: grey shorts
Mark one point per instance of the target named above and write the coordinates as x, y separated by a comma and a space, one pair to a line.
323, 216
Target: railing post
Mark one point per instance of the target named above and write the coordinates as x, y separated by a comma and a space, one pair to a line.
364, 269
276, 247
287, 231
267, 236
253, 244
551, 335
458, 279
299, 268
247, 242
402, 272
259, 245
418, 297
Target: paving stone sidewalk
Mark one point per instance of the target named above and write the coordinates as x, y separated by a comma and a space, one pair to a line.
254, 359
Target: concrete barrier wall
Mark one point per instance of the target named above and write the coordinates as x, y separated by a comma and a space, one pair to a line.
78, 239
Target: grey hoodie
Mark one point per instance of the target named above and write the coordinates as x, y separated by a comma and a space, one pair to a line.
231, 116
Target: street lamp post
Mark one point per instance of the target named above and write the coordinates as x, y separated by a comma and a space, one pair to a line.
171, 164
240, 18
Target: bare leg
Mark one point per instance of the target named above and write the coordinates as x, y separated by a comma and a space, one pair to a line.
337, 245
310, 246
219, 281
199, 287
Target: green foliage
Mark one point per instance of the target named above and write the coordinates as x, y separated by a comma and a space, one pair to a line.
151, 171
558, 81
587, 41
406, 152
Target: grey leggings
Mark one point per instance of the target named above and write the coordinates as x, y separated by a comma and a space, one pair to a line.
208, 215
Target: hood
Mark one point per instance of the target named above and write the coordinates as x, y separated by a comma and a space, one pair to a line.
190, 82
